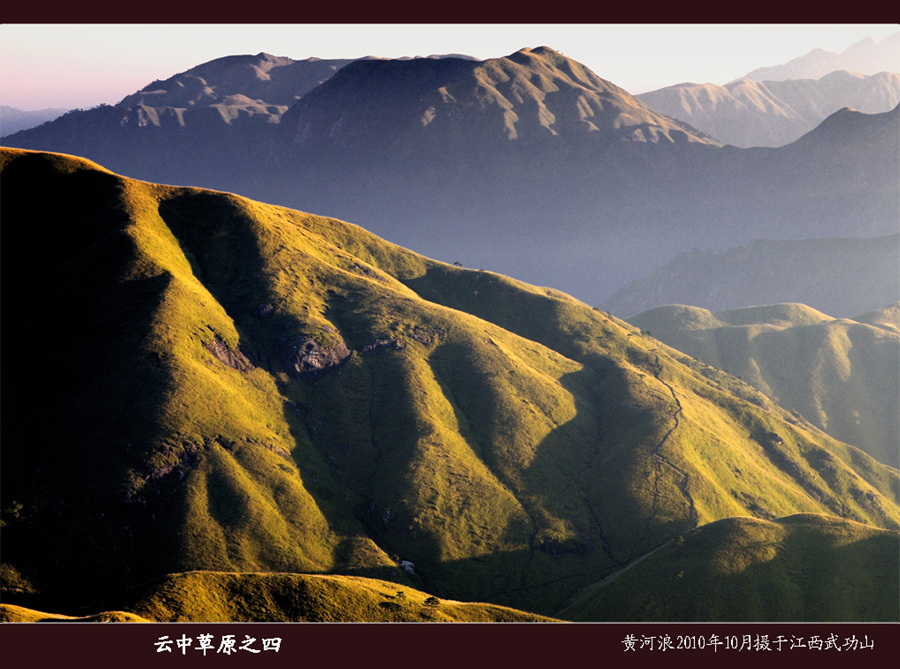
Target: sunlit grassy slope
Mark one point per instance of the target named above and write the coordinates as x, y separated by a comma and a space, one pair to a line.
10, 613
195, 381
842, 375
230, 597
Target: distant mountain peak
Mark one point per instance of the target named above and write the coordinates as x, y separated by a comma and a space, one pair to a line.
749, 113
865, 56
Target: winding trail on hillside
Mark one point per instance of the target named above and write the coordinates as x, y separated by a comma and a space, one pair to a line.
662, 460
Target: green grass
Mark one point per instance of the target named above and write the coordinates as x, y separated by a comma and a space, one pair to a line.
841, 375
513, 443
799, 568
248, 597
10, 613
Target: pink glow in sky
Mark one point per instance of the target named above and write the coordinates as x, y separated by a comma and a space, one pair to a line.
83, 65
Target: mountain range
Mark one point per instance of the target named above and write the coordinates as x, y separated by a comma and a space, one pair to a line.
13, 120
866, 57
529, 165
568, 201
211, 125
199, 382
749, 113
222, 402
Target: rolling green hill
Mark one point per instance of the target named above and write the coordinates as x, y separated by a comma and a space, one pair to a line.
842, 375
230, 597
194, 381
744, 569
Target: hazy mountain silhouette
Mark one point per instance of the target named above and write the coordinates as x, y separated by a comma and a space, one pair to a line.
209, 126
840, 277
750, 113
13, 120
500, 165
865, 57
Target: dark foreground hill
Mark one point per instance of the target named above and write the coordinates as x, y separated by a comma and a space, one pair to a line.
842, 375
744, 569
193, 381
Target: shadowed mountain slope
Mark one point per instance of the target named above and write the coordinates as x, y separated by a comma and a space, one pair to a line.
840, 277
749, 113
196, 381
742, 569
841, 375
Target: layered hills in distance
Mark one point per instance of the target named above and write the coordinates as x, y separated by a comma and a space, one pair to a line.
841, 375
842, 277
13, 120
866, 57
749, 113
530, 165
200, 382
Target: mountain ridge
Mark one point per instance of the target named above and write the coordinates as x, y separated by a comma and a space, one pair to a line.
530, 138
866, 56
749, 113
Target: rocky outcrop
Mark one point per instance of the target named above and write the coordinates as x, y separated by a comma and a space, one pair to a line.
306, 359
381, 344
236, 359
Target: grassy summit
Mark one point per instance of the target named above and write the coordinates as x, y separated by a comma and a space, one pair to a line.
194, 381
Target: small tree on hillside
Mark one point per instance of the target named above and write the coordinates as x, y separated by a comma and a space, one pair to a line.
431, 605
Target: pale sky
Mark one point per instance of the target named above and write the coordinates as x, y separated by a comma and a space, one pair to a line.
83, 65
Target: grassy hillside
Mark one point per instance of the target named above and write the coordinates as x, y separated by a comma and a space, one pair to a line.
742, 569
229, 597
10, 613
888, 318
205, 383
842, 375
